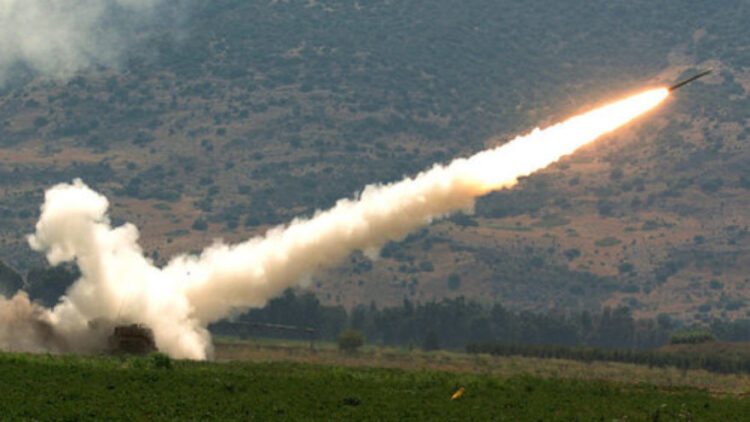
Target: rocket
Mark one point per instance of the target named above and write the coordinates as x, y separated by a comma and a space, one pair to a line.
680, 84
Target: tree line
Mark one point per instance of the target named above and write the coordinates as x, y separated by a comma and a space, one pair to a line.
716, 361
455, 323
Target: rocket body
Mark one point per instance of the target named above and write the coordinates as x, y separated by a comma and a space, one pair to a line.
680, 84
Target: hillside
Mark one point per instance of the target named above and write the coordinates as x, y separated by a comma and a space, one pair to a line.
264, 112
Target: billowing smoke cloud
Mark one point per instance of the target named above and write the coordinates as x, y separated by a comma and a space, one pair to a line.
56, 38
26, 326
181, 299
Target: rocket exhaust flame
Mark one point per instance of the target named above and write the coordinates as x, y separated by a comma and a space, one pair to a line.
181, 299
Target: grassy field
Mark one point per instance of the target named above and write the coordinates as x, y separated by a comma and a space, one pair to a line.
286, 380
267, 351
154, 388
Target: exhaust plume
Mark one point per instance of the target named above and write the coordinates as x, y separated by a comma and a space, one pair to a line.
179, 300
56, 38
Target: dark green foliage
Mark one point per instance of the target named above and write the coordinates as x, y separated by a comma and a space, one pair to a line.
160, 361
715, 285
625, 268
463, 220
712, 185
692, 337
607, 241
731, 330
668, 269
48, 284
650, 225
455, 322
431, 341
454, 281
200, 224
350, 340
40, 122
616, 174
716, 362
426, 266
572, 253
304, 311
605, 207
143, 138
549, 221
10, 280
96, 389
150, 184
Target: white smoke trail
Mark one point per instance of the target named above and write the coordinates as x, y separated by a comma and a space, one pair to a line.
181, 299
59, 37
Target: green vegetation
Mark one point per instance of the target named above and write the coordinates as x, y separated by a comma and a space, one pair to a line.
717, 361
510, 227
551, 220
454, 281
691, 337
607, 241
350, 340
71, 388
453, 323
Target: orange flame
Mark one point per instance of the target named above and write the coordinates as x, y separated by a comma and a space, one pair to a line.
500, 167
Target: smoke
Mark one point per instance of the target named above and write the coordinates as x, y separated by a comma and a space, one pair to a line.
26, 326
56, 38
179, 300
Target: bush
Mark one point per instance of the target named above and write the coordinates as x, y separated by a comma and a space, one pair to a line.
607, 242
351, 340
454, 281
40, 121
572, 254
200, 224
160, 361
691, 337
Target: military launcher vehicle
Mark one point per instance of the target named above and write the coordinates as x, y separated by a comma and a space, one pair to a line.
135, 339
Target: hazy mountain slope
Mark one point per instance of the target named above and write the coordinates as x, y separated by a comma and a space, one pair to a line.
262, 112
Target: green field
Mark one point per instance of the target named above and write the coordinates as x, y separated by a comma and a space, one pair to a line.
40, 387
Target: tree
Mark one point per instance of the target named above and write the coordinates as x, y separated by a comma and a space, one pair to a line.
200, 224
454, 281
10, 281
49, 283
351, 340
431, 341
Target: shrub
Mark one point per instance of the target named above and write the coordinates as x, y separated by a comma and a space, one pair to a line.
426, 266
572, 254
625, 268
351, 340
650, 225
692, 337
40, 121
454, 281
607, 241
200, 224
160, 361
